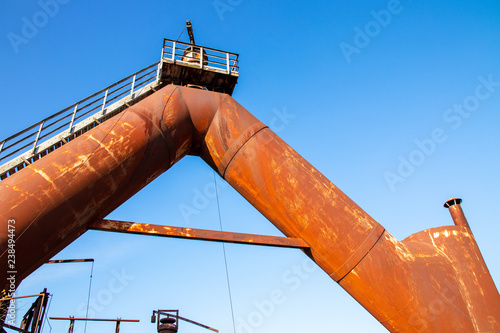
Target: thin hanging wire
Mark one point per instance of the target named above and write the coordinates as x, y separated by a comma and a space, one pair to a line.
88, 297
180, 34
225, 258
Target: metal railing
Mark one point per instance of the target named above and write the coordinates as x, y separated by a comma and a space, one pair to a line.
200, 56
72, 119
21, 149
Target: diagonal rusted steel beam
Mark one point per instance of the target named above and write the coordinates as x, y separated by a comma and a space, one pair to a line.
197, 234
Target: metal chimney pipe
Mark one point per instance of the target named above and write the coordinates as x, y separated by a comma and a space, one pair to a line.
167, 325
457, 214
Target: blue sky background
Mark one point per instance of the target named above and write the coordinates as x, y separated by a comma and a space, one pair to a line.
354, 117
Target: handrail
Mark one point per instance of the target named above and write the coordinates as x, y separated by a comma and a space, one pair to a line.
200, 56
22, 148
32, 135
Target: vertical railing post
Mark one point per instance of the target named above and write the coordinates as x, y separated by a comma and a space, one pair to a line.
117, 330
173, 53
158, 71
133, 85
104, 101
201, 57
1, 146
73, 119
227, 63
37, 137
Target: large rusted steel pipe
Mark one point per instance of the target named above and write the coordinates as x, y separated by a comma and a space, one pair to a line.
433, 281
53, 199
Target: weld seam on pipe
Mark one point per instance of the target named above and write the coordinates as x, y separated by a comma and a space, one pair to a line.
237, 145
357, 256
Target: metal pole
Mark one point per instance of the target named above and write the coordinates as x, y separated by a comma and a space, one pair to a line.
104, 101
133, 85
71, 326
38, 324
457, 214
201, 57
1, 145
37, 137
72, 119
158, 71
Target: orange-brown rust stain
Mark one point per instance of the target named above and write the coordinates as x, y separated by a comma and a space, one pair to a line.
86, 178
389, 279
298, 199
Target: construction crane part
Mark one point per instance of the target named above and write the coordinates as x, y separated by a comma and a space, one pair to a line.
189, 28
433, 281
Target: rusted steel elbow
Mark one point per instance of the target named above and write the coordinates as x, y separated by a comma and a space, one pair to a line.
53, 199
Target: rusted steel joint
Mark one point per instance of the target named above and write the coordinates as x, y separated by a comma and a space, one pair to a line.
237, 144
359, 254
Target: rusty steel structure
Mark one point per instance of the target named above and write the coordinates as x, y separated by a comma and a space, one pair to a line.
198, 234
433, 281
72, 320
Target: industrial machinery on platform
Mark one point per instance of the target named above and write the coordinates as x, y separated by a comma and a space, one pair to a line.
81, 163
167, 321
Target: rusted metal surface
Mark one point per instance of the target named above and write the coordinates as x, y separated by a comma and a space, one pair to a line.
95, 319
54, 198
65, 261
196, 234
433, 281
73, 319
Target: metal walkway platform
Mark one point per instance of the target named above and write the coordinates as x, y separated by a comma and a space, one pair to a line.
180, 64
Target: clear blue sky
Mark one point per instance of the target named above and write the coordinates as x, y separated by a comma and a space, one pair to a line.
368, 83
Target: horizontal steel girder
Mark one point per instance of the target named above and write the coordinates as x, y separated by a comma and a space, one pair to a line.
196, 234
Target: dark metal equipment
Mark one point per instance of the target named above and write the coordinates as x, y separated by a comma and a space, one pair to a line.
167, 321
189, 28
32, 319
